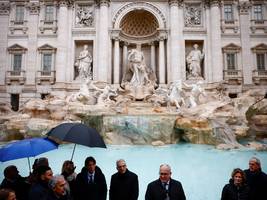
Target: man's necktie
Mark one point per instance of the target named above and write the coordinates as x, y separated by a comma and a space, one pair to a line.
90, 178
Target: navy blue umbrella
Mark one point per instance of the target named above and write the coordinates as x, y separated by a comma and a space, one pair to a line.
77, 133
26, 148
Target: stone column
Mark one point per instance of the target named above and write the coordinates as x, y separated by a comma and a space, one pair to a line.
153, 56
124, 58
176, 28
4, 20
103, 42
162, 70
247, 64
62, 45
116, 71
216, 45
31, 66
208, 60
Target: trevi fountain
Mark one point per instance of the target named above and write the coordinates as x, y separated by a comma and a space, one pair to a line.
139, 111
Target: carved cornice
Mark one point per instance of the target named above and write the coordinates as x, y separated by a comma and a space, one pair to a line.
34, 8
244, 7
4, 8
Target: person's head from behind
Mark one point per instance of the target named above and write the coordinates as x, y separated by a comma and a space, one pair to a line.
43, 161
11, 172
165, 172
238, 176
7, 194
68, 167
121, 166
44, 173
58, 185
254, 164
90, 164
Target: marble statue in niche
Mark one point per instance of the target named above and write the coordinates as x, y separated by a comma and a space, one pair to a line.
139, 79
84, 64
193, 60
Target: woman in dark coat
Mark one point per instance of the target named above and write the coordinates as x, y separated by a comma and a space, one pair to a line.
236, 189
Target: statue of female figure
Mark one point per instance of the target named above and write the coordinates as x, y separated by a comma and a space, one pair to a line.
84, 63
194, 61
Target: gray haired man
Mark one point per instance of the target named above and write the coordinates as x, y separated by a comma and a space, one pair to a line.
59, 189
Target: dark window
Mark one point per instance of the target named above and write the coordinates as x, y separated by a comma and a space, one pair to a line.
15, 102
260, 61
230, 57
17, 62
47, 62
49, 13
228, 13
19, 18
258, 14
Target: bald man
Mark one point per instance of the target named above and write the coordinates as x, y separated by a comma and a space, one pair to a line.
165, 188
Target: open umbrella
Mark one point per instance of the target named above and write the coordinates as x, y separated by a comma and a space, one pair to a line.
26, 148
77, 133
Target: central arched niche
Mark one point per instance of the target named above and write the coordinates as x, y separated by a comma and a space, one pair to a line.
139, 24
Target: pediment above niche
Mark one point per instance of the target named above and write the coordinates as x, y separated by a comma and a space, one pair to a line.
16, 47
46, 47
258, 47
231, 47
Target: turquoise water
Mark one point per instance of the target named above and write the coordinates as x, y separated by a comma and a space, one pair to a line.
201, 169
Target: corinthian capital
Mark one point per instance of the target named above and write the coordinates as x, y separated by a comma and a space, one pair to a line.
215, 3
244, 7
4, 8
104, 2
34, 8
176, 2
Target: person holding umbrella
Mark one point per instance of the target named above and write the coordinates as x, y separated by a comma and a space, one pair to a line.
90, 182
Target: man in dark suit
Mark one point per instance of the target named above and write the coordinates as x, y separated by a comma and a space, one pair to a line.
165, 188
256, 180
123, 184
90, 183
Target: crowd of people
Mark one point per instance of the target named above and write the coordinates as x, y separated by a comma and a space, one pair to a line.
90, 183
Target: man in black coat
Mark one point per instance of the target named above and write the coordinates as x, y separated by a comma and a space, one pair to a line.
256, 179
90, 183
15, 182
124, 183
39, 189
165, 188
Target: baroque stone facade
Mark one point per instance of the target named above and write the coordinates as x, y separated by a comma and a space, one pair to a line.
40, 41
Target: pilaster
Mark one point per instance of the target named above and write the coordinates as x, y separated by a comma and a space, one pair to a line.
4, 17
103, 42
217, 67
62, 48
32, 66
244, 7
